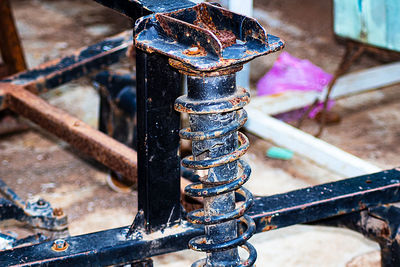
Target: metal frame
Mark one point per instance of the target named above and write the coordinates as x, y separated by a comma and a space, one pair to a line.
160, 227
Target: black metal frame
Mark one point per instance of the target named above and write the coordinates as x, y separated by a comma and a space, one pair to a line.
356, 203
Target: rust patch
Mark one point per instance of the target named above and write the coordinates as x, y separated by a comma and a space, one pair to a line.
266, 221
226, 37
164, 24
249, 52
204, 20
269, 228
226, 13
58, 212
385, 232
236, 101
184, 69
195, 51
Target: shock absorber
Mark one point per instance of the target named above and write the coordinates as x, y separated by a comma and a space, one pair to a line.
215, 108
209, 45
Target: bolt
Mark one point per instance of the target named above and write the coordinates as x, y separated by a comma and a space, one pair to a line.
40, 202
58, 212
59, 245
194, 51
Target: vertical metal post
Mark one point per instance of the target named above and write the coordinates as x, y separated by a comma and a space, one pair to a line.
211, 88
158, 85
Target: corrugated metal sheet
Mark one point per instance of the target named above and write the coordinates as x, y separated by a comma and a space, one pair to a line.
375, 22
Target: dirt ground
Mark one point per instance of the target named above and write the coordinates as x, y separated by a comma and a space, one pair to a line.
35, 163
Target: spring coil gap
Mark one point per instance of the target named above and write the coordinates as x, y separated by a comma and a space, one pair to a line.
233, 103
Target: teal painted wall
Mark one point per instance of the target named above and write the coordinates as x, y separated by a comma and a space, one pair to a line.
375, 22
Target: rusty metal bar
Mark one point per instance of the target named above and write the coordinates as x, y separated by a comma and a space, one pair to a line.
54, 73
81, 136
10, 44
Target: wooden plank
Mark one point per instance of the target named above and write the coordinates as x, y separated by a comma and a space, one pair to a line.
350, 84
322, 153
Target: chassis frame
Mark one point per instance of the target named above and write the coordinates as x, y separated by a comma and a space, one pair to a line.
364, 204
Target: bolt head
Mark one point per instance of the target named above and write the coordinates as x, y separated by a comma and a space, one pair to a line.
59, 245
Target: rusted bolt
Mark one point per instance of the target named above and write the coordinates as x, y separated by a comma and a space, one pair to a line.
58, 212
60, 245
194, 50
40, 202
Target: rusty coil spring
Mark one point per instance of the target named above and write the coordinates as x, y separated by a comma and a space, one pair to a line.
234, 103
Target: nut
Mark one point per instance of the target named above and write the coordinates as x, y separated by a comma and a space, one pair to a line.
58, 212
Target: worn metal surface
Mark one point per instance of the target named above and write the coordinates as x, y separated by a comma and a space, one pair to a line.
138, 8
54, 73
205, 37
102, 248
158, 85
380, 224
36, 213
10, 44
8, 242
388, 234
326, 200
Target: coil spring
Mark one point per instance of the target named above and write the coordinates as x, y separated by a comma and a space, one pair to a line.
232, 103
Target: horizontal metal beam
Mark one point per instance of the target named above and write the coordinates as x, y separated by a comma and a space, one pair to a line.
272, 212
135, 9
57, 72
326, 200
102, 248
